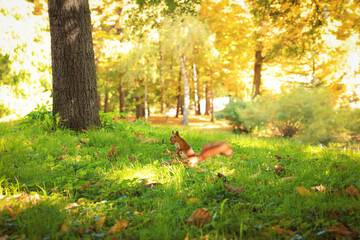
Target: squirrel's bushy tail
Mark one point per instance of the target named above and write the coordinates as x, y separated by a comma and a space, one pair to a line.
209, 150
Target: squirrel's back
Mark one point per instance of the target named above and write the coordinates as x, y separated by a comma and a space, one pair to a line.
214, 148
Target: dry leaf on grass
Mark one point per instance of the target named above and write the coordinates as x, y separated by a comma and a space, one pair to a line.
303, 191
192, 200
233, 189
199, 217
61, 158
352, 191
139, 213
119, 226
101, 222
341, 232
320, 188
111, 152
289, 179
64, 228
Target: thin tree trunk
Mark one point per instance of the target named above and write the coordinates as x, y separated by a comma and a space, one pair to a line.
196, 91
139, 100
178, 105
162, 79
73, 63
106, 102
208, 98
212, 96
257, 71
186, 92
121, 97
99, 100
146, 102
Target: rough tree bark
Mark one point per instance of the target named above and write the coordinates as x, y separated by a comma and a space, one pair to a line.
73, 63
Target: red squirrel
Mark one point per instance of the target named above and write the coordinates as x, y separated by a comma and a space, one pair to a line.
209, 149
183, 148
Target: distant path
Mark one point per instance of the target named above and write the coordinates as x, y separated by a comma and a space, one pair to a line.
194, 121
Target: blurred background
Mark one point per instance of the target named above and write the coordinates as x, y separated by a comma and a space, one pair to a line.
281, 67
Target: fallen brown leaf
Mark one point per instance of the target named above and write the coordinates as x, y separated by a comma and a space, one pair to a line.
341, 231
303, 191
61, 158
100, 223
352, 191
233, 189
64, 228
119, 225
320, 188
289, 179
199, 217
139, 213
192, 200
111, 152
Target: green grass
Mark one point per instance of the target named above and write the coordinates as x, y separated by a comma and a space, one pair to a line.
44, 172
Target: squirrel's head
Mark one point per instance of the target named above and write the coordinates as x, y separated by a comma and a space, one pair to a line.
174, 137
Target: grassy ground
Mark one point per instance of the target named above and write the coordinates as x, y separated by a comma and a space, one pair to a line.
58, 184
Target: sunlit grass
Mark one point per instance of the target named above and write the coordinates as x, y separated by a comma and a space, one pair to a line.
71, 179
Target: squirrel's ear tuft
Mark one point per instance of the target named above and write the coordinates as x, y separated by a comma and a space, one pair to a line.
177, 133
172, 132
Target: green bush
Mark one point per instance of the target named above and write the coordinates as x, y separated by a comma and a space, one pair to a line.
42, 117
350, 118
244, 116
303, 112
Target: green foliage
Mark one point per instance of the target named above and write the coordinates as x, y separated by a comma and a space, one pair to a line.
110, 119
306, 113
42, 117
244, 116
4, 111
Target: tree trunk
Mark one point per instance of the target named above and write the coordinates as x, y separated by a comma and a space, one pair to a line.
139, 100
106, 102
146, 109
186, 92
99, 100
207, 98
212, 97
178, 105
139, 107
162, 79
73, 63
257, 71
121, 97
196, 91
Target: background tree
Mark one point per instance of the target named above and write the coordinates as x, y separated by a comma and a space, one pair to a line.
73, 63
